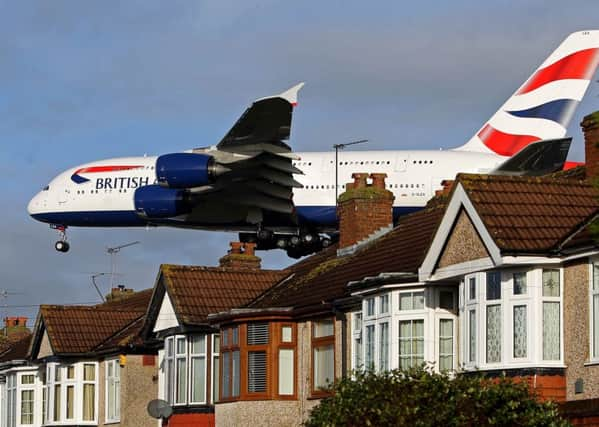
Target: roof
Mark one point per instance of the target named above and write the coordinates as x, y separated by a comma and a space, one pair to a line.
324, 276
195, 292
531, 214
16, 350
83, 329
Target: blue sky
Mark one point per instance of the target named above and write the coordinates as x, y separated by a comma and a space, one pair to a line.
81, 81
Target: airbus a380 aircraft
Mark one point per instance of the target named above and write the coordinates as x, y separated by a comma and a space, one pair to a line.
251, 181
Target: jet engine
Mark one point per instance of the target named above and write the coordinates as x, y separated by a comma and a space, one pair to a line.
185, 170
154, 201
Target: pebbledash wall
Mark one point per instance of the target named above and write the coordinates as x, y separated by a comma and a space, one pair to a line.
288, 413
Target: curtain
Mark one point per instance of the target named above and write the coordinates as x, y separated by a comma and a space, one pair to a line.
493, 333
520, 335
445, 344
89, 404
324, 366
551, 331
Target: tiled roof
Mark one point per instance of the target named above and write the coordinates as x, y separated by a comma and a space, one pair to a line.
323, 277
198, 291
81, 329
531, 214
16, 350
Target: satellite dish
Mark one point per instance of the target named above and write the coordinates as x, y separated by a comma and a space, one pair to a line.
159, 408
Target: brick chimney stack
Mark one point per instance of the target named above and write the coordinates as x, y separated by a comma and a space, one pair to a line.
241, 256
364, 208
15, 327
119, 293
590, 128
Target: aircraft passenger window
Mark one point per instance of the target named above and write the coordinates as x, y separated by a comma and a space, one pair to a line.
310, 164
411, 185
46, 188
377, 163
431, 162
390, 162
414, 162
417, 186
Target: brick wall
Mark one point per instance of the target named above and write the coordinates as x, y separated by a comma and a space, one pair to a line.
190, 420
590, 127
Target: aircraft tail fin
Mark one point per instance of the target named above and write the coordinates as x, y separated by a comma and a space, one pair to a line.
543, 106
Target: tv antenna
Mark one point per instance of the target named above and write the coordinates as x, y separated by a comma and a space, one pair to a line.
338, 147
112, 252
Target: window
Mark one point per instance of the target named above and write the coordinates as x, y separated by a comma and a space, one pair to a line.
520, 330
11, 400
551, 315
231, 370
113, 390
411, 301
411, 343
384, 304
89, 392
323, 350
384, 346
257, 337
472, 336
445, 344
446, 300
215, 366
472, 288
370, 311
369, 356
185, 368
286, 360
519, 283
493, 285
493, 333
595, 311
357, 333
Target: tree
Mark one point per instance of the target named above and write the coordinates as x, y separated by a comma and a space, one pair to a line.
420, 397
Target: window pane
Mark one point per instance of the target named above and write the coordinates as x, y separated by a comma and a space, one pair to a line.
520, 334
236, 373
472, 336
286, 371
216, 342
369, 358
493, 333
111, 395
226, 378
27, 379
235, 336
286, 334
58, 373
198, 386
384, 346
493, 285
370, 307
596, 277
70, 402
57, 402
411, 343
181, 389
418, 303
215, 378
357, 321
519, 283
405, 301
595, 325
198, 344
551, 331
323, 328
551, 283
257, 333
70, 372
256, 371
89, 372
324, 366
27, 406
89, 409
472, 288
170, 379
384, 303
226, 334
181, 341
445, 344
169, 346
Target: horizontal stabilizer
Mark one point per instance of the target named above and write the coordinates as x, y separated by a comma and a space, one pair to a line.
538, 158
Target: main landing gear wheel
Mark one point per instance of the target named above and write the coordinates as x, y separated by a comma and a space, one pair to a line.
62, 245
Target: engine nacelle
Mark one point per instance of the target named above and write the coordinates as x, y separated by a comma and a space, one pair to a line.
154, 201
185, 170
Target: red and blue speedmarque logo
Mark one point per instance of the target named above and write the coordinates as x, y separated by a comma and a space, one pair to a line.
78, 179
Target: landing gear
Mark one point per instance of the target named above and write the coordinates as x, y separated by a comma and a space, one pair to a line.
296, 245
62, 245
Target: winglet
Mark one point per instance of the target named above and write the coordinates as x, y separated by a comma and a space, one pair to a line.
290, 95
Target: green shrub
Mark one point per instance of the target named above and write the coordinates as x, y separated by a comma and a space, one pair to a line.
419, 397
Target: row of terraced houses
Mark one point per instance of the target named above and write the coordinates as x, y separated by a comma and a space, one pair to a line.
497, 275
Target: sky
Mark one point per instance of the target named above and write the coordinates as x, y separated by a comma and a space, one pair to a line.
83, 81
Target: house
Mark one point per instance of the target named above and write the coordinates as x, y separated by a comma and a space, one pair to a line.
92, 365
190, 353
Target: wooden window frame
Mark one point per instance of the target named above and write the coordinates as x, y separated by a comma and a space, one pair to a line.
316, 343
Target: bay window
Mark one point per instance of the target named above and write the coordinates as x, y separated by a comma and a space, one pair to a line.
186, 368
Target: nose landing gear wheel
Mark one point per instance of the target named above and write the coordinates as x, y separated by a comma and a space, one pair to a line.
61, 246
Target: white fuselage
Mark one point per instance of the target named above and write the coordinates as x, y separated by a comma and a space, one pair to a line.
102, 193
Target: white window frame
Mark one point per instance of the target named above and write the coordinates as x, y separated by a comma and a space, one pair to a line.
112, 381
594, 358
357, 324
215, 361
190, 370
553, 299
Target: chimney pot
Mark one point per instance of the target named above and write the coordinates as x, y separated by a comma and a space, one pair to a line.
241, 256
235, 247
249, 249
378, 180
359, 179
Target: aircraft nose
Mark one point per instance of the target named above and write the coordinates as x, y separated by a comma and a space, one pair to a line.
34, 205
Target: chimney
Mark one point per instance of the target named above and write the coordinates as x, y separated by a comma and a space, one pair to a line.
119, 293
15, 327
241, 256
590, 128
363, 208
447, 186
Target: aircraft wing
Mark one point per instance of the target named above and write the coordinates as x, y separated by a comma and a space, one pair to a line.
256, 178
266, 121
536, 159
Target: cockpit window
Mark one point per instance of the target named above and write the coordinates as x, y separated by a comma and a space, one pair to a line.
46, 188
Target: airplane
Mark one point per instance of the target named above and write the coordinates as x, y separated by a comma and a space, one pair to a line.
252, 182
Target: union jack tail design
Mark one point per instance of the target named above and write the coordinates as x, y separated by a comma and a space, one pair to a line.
543, 106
